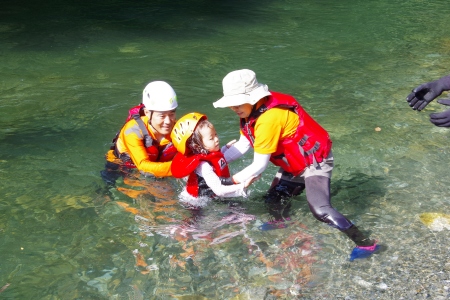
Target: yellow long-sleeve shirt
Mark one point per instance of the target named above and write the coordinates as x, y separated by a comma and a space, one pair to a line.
131, 142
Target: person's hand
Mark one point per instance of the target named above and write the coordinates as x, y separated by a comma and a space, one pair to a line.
427, 92
227, 146
441, 119
231, 143
252, 179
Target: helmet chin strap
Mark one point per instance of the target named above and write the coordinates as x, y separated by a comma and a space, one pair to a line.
150, 121
156, 133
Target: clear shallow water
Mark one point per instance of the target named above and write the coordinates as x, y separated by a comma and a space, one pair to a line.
71, 70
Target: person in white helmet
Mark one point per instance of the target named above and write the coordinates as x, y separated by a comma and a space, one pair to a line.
144, 141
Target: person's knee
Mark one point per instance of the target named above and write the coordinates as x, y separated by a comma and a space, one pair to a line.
331, 217
321, 214
283, 190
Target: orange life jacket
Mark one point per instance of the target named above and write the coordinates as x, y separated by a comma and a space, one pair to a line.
155, 152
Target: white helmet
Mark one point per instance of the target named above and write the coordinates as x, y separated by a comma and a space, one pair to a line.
159, 96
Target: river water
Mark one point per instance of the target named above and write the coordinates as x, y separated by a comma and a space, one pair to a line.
70, 70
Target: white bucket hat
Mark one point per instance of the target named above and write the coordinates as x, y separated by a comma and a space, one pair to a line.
240, 87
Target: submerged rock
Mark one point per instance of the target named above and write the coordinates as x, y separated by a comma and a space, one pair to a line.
435, 221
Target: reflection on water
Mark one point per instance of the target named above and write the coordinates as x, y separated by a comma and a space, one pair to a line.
216, 250
71, 71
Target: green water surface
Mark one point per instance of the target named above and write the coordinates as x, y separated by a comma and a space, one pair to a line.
69, 72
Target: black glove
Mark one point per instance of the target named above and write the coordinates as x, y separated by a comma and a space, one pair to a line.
427, 92
441, 119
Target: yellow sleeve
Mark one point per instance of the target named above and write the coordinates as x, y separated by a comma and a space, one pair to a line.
158, 169
138, 154
273, 125
134, 146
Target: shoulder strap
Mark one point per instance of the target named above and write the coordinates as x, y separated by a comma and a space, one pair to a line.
148, 141
137, 110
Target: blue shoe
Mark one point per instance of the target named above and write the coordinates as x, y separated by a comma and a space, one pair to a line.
363, 251
271, 225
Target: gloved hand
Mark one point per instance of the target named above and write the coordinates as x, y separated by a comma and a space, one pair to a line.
427, 92
441, 119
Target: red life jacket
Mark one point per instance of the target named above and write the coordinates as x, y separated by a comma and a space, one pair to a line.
155, 152
183, 166
309, 145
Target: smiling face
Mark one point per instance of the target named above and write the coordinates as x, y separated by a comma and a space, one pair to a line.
243, 110
210, 140
162, 121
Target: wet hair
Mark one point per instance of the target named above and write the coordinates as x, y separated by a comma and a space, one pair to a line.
194, 142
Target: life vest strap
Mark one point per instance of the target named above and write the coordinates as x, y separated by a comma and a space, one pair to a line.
148, 141
303, 140
313, 149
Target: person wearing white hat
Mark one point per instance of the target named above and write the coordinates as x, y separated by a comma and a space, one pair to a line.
282, 132
144, 141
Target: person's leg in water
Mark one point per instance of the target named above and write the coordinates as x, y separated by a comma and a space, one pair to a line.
278, 199
318, 197
111, 173
196, 214
115, 168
